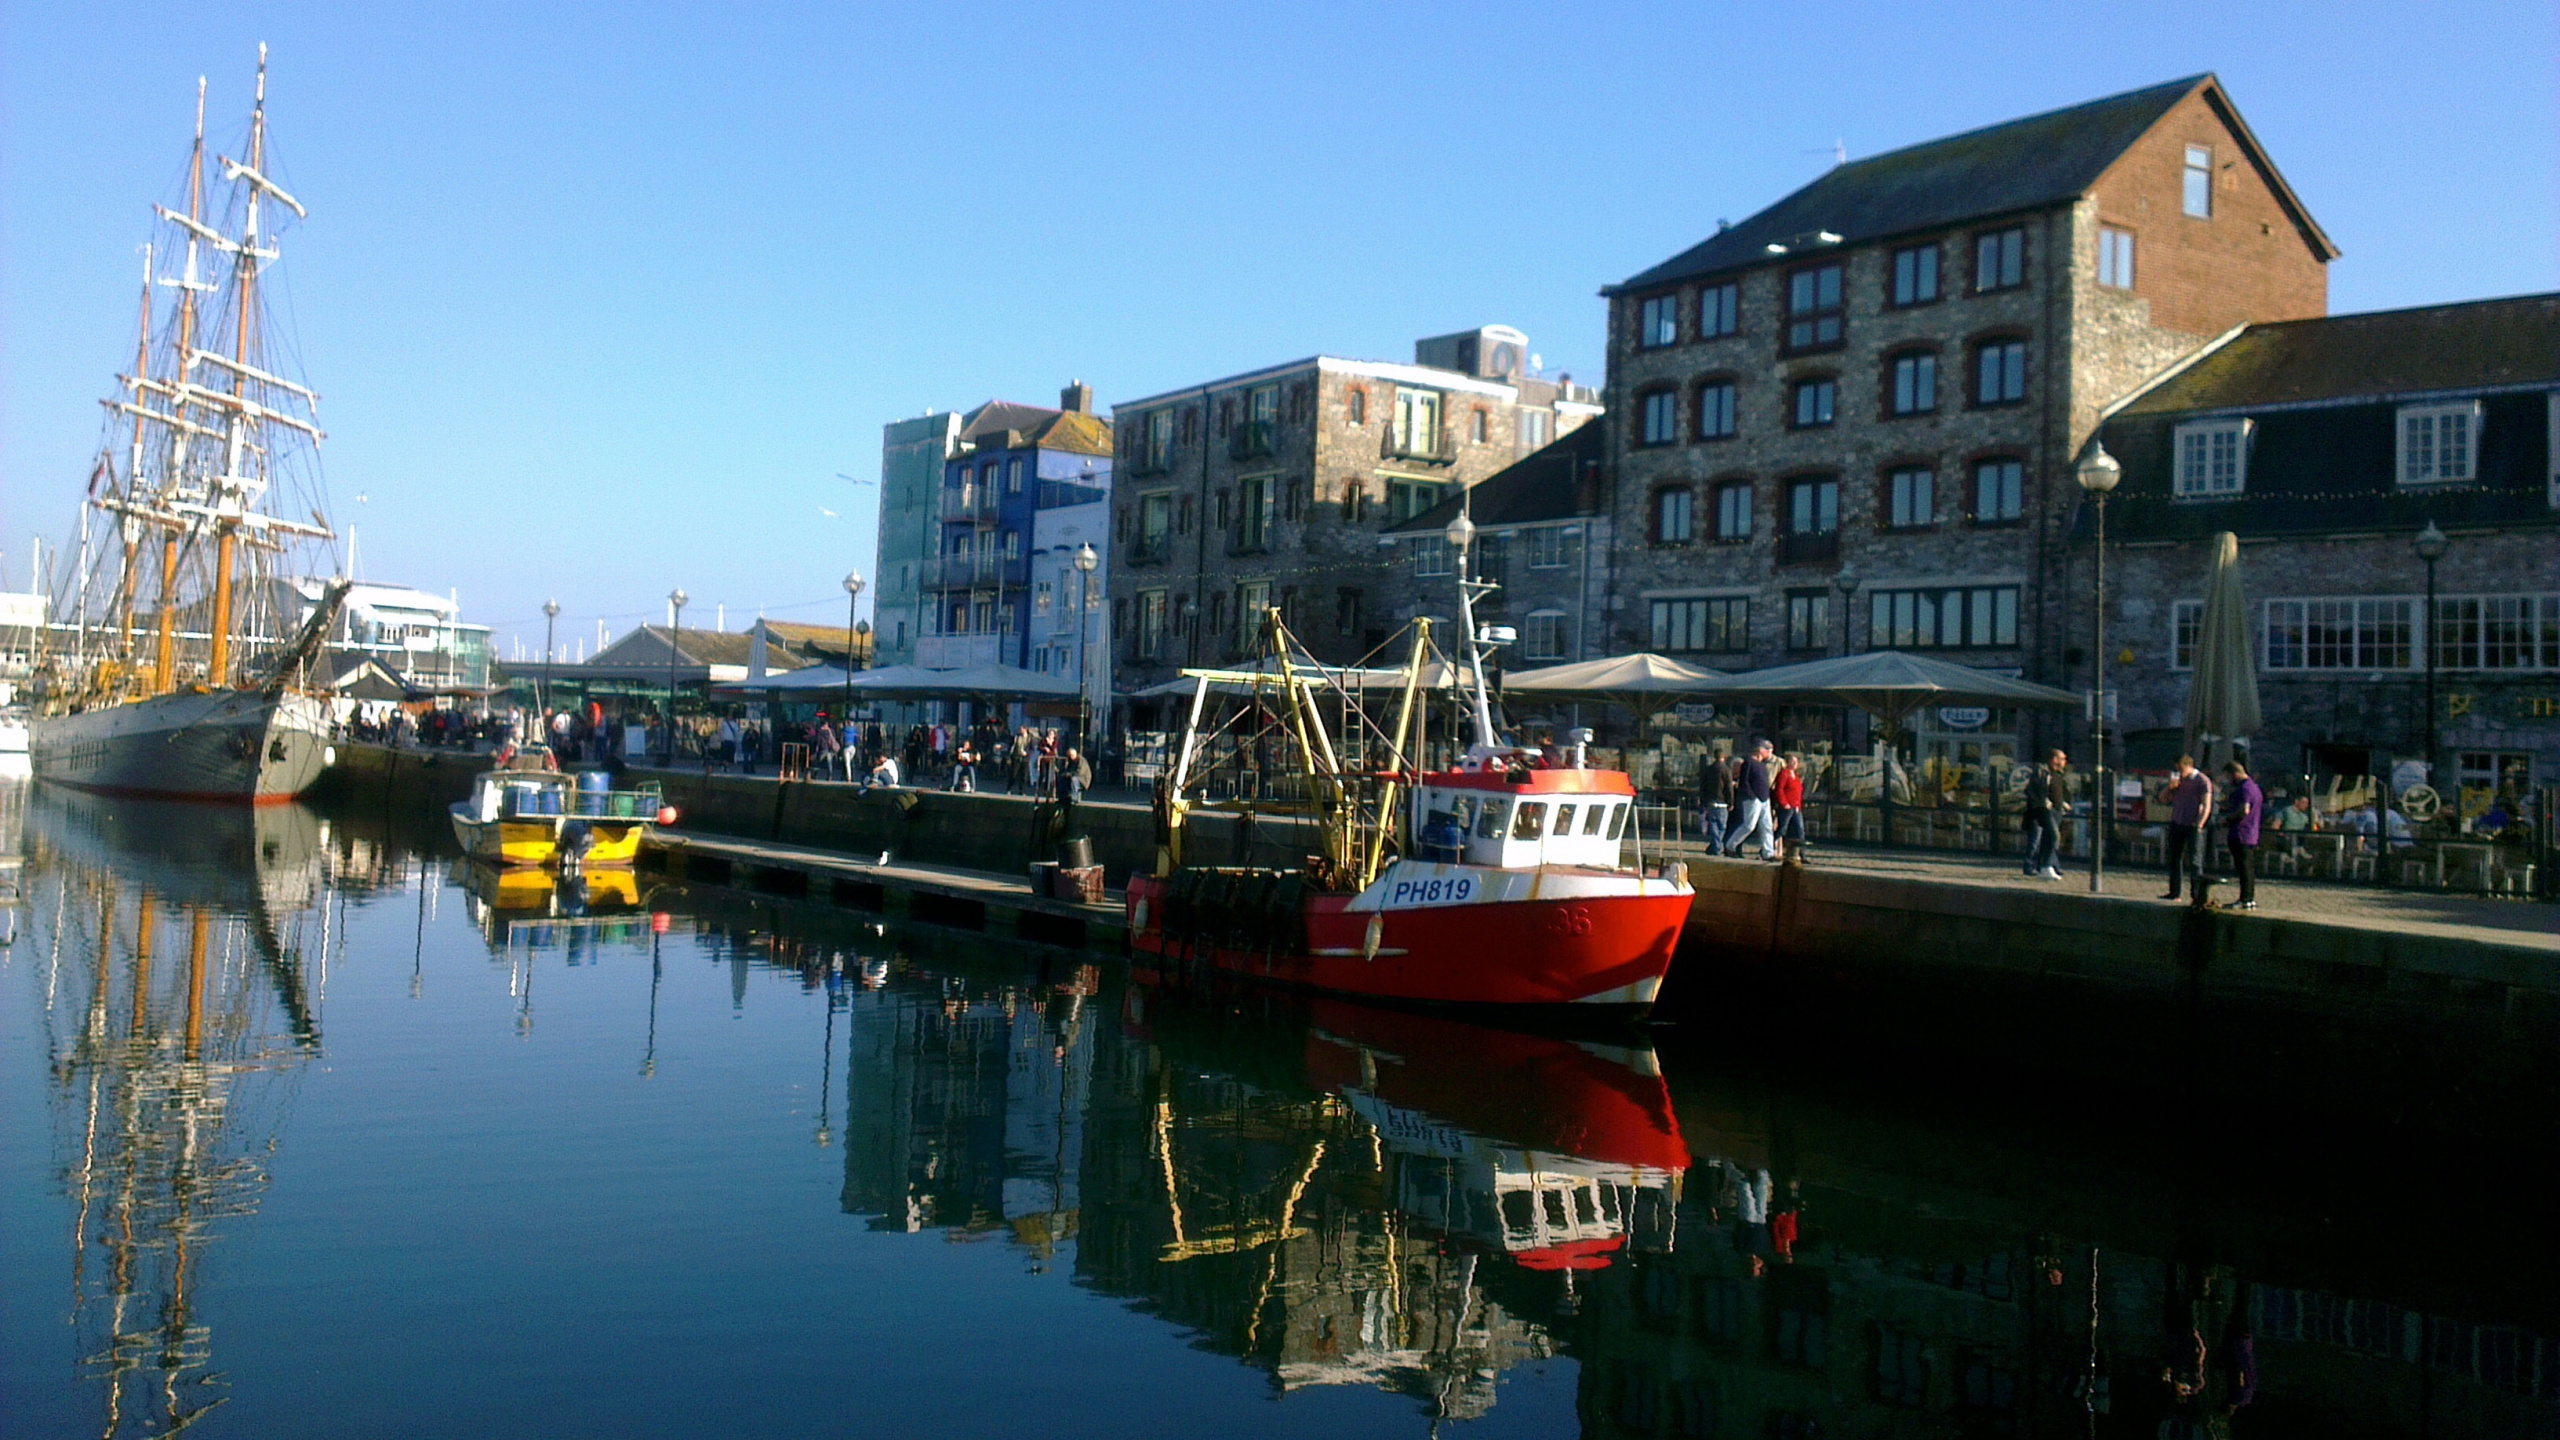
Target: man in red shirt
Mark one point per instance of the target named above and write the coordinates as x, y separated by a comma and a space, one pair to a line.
2190, 806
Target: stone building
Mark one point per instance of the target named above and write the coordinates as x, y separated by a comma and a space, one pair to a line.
1271, 487
1851, 420
1542, 535
2327, 446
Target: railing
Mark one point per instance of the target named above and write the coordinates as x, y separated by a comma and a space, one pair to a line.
954, 572
1429, 445
1150, 549
1806, 547
975, 503
1253, 439
1252, 536
1151, 461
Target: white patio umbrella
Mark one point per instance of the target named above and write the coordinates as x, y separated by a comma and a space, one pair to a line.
1644, 683
2222, 695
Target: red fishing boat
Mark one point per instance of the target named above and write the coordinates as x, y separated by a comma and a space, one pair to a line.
1504, 878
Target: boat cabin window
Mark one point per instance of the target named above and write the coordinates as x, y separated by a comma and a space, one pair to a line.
1564, 820
1489, 827
1617, 821
1593, 817
1532, 822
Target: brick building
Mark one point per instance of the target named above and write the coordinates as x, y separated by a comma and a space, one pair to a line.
1851, 420
1272, 487
2327, 446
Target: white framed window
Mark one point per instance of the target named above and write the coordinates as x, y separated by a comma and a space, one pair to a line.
2498, 632
2196, 191
2115, 258
1547, 549
1536, 428
1542, 637
2439, 444
1431, 556
2184, 618
2213, 459
2342, 634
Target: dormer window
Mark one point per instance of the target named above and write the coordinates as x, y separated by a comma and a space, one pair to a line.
2213, 459
2439, 444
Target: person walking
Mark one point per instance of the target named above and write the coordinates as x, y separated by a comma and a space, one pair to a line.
2248, 812
1786, 795
1715, 800
1751, 804
2190, 807
729, 742
2044, 827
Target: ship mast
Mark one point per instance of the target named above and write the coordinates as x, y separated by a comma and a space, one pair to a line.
164, 664
227, 506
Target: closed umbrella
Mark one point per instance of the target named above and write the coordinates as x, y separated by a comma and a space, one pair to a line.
2222, 698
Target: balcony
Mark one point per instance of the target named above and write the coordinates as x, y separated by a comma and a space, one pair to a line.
1432, 447
1251, 536
959, 652
1254, 439
1808, 547
975, 504
1150, 549
1150, 460
970, 572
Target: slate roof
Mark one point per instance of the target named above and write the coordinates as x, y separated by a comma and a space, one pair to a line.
1543, 485
648, 644
997, 416
2019, 165
2475, 345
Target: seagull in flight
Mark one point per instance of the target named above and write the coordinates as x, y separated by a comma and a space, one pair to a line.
823, 510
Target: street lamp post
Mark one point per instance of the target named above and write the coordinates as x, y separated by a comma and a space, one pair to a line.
550, 618
1845, 583
675, 642
2098, 474
2430, 546
853, 595
1086, 560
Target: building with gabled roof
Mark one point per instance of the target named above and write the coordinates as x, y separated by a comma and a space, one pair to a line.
1541, 536
1850, 421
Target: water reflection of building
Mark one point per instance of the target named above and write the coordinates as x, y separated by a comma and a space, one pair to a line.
178, 1005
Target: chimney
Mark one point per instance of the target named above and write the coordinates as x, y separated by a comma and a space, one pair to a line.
1077, 398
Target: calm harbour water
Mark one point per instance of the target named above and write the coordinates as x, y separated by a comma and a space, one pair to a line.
309, 1131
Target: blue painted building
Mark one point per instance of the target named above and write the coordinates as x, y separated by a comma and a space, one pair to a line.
980, 589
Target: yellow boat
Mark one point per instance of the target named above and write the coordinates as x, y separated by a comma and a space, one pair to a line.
520, 815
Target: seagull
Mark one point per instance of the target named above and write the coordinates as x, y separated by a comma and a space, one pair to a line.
823, 510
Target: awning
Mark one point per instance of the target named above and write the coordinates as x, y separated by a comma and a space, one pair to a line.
1888, 684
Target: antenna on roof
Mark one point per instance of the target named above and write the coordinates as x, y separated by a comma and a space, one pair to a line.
1838, 150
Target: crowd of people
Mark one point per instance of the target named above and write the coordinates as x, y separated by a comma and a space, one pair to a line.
1756, 800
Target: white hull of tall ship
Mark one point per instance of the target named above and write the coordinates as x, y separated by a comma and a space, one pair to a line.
241, 746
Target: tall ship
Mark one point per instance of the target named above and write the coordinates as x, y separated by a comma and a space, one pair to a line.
1508, 876
183, 669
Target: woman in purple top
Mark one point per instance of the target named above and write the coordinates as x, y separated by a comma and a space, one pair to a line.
2248, 809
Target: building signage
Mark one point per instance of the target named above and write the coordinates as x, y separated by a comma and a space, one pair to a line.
1963, 717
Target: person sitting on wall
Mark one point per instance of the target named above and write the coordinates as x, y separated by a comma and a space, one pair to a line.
885, 772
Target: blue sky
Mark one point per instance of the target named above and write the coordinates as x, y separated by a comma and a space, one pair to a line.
602, 299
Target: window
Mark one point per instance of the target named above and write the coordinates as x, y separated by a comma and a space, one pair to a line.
2185, 616
1182, 516
2196, 193
1226, 416
1813, 506
1719, 310
1911, 498
1658, 322
2506, 771
1715, 410
2498, 632
1151, 612
1902, 1367
1808, 619
1355, 406
1479, 425
1721, 624
2000, 372
1253, 513
1672, 522
1190, 424
2439, 443
1355, 500
1408, 498
2341, 634
1347, 607
1041, 603
1547, 547
1223, 509
1915, 275
1013, 545
1733, 512
1430, 556
2213, 459
2115, 258
1537, 427
1253, 606
1942, 618
1262, 404
1999, 491
1660, 412
1417, 422
1915, 384
1013, 477
1813, 403
1299, 391
1293, 500
1813, 308
1999, 260
1155, 439
1543, 637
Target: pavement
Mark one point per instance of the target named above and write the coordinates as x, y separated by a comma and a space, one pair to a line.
2508, 921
